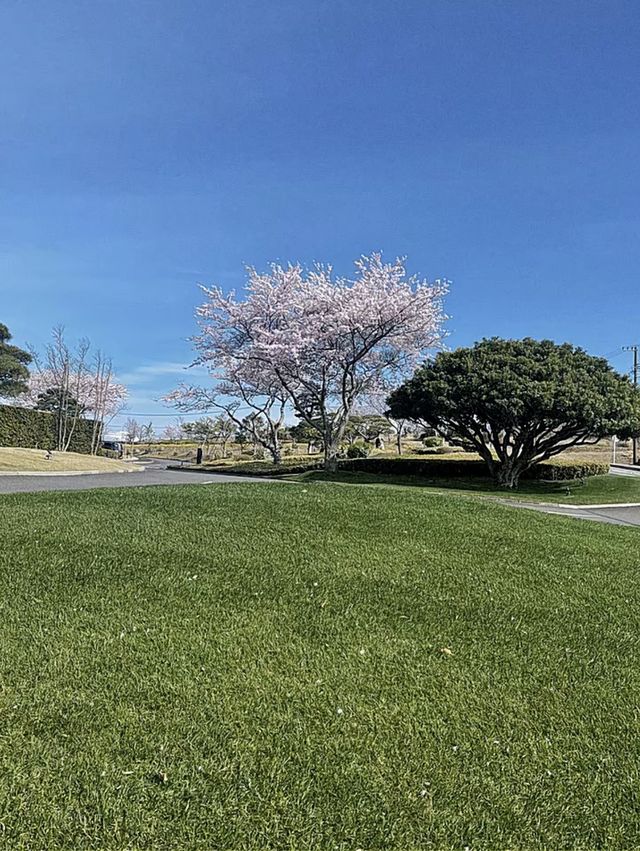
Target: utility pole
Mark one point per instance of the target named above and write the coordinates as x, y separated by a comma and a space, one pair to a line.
634, 349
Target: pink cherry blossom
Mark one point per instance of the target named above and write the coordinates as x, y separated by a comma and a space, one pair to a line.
322, 342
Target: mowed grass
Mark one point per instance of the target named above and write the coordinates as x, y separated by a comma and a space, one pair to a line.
35, 460
593, 491
277, 666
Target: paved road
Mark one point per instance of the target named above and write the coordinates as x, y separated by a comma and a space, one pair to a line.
157, 474
154, 474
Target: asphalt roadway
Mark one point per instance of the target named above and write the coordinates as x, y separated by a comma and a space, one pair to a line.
156, 473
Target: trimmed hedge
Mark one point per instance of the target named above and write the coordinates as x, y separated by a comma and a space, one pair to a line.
30, 429
432, 467
452, 468
257, 468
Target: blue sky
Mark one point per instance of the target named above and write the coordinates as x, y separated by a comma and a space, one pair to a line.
149, 146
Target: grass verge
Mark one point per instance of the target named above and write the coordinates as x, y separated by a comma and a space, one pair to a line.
593, 490
269, 667
35, 461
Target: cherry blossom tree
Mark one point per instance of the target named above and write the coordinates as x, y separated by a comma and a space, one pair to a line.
172, 432
99, 394
75, 383
323, 341
241, 387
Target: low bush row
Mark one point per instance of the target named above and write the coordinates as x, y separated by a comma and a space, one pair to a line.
557, 470
262, 468
433, 467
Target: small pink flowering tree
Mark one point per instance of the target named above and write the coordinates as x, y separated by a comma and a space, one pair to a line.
78, 384
323, 341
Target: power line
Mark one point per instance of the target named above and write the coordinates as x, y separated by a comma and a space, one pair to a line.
179, 413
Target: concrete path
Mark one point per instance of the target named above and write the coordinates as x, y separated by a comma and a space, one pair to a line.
620, 515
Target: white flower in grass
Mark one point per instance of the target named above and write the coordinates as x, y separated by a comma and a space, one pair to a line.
339, 711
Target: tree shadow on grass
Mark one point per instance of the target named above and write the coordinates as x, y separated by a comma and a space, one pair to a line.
552, 491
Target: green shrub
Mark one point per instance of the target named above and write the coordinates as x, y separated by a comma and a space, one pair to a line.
432, 442
30, 429
435, 450
432, 467
109, 453
564, 471
435, 467
357, 450
263, 468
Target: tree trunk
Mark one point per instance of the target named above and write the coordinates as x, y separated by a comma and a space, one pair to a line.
399, 442
330, 463
507, 475
276, 455
330, 456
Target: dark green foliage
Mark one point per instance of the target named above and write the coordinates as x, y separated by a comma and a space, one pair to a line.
357, 450
519, 402
110, 453
302, 432
465, 467
14, 373
32, 429
432, 442
57, 399
433, 466
288, 466
368, 427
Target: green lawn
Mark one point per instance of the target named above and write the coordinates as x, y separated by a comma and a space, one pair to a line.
598, 489
261, 667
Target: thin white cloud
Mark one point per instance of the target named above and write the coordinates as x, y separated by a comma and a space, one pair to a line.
148, 373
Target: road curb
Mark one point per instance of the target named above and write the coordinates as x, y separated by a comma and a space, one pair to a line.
584, 507
49, 474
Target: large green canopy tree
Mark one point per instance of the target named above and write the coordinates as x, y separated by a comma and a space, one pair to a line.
14, 373
519, 402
